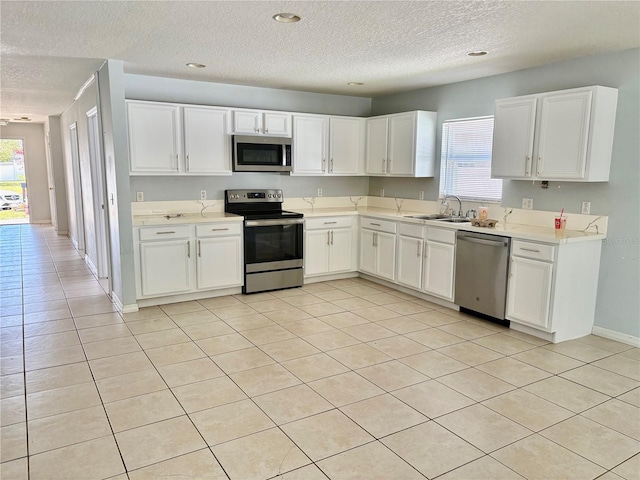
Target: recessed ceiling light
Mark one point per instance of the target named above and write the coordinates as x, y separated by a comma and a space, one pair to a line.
196, 65
477, 53
286, 18
355, 84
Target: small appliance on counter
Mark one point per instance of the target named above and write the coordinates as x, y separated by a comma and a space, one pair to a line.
273, 239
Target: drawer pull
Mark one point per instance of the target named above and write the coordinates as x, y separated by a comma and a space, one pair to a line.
376, 224
199, 250
331, 237
330, 223
164, 233
188, 248
219, 229
534, 250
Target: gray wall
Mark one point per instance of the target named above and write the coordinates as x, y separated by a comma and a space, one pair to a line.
618, 305
35, 167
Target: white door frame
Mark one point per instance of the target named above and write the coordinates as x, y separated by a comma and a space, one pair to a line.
77, 187
50, 180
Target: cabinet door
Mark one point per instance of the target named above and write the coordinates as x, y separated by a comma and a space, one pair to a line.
206, 140
377, 138
410, 261
564, 130
367, 252
439, 269
529, 292
346, 146
219, 262
247, 122
341, 249
316, 252
402, 145
310, 144
386, 255
514, 126
165, 267
153, 137
277, 124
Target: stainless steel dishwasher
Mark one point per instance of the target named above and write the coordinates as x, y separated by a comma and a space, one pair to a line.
482, 266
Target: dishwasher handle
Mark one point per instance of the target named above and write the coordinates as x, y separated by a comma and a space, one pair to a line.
482, 241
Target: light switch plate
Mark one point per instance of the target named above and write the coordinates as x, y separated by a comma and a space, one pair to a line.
203, 194
527, 203
139, 197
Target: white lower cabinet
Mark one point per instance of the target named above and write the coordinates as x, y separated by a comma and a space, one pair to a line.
440, 262
329, 246
378, 248
410, 252
530, 291
182, 259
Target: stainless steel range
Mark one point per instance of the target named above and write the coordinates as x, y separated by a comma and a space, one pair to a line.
272, 240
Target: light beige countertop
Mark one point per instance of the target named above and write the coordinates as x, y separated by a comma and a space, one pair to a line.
184, 219
512, 230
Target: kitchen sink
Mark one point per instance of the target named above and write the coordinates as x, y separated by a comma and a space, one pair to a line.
454, 219
431, 216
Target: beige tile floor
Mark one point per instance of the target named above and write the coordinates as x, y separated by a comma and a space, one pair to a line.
339, 380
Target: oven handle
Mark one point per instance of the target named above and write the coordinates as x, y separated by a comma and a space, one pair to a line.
263, 223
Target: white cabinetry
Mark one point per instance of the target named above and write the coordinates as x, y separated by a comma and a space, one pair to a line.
258, 122
324, 145
410, 251
439, 262
401, 144
564, 135
170, 139
378, 247
329, 245
552, 288
179, 259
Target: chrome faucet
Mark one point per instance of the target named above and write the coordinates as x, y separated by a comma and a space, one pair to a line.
459, 203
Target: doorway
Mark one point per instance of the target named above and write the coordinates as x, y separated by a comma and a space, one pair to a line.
14, 199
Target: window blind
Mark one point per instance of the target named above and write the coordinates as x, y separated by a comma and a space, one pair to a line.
465, 163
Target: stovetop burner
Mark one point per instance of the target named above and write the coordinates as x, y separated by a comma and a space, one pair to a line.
257, 204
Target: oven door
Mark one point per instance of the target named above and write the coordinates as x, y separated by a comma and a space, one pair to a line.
274, 244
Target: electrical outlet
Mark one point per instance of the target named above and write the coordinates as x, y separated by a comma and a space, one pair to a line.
203, 194
319, 192
421, 195
139, 197
382, 192
586, 208
527, 203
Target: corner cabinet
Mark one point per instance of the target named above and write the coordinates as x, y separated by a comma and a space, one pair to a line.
564, 135
179, 259
401, 144
172, 139
328, 145
330, 246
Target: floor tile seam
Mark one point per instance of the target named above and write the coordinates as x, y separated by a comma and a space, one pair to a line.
605, 372
549, 346
31, 455
479, 458
498, 351
173, 458
510, 383
581, 414
439, 350
566, 408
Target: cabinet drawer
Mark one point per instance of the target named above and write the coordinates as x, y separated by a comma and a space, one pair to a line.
536, 251
411, 230
327, 222
165, 233
443, 235
378, 225
218, 229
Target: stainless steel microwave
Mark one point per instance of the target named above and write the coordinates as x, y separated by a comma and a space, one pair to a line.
261, 154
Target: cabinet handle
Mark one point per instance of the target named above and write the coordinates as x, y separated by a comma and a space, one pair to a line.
328, 238
331, 237
375, 239
376, 224
199, 250
330, 223
534, 250
163, 233
188, 248
419, 249
219, 229
539, 166
425, 250
177, 162
384, 166
266, 130
188, 163
527, 166
324, 161
331, 167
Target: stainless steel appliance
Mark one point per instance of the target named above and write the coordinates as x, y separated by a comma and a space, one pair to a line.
482, 265
261, 154
272, 240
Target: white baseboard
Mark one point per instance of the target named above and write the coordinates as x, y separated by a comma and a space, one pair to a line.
131, 308
617, 336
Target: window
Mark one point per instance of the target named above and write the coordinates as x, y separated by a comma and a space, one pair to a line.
465, 163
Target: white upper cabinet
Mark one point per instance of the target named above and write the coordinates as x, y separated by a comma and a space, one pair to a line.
401, 144
564, 135
170, 139
154, 137
325, 145
206, 141
258, 122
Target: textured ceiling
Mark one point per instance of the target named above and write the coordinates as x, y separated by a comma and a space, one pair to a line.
50, 48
